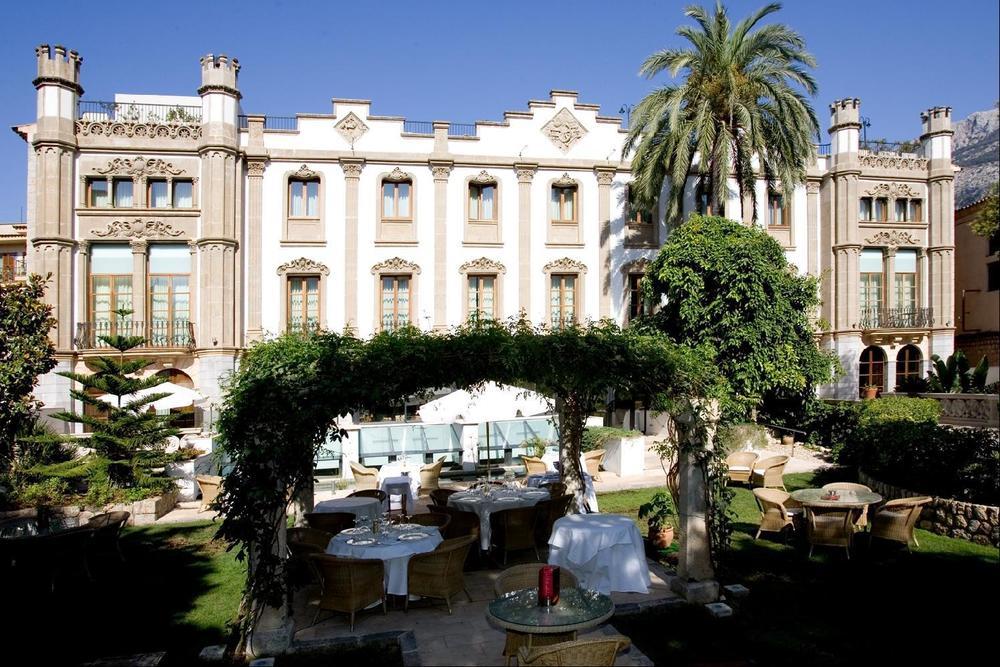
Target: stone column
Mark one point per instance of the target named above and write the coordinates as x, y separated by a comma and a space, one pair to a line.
441, 171
525, 175
889, 271
605, 176
82, 276
140, 285
923, 296
352, 175
255, 177
812, 227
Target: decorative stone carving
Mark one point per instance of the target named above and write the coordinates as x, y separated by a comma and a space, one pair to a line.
351, 128
564, 130
812, 187
352, 169
525, 175
139, 246
397, 174
395, 265
305, 173
605, 177
303, 265
894, 190
255, 168
138, 229
139, 166
892, 161
440, 171
892, 239
483, 265
114, 128
637, 265
565, 264
564, 180
483, 177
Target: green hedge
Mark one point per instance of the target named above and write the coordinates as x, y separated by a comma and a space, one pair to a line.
833, 423
898, 409
595, 437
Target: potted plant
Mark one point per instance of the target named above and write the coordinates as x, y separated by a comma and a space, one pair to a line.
658, 512
871, 390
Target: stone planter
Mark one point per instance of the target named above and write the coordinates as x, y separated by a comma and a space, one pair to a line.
625, 456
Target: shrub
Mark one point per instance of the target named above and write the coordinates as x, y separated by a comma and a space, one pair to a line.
891, 409
596, 437
830, 423
736, 437
47, 493
537, 445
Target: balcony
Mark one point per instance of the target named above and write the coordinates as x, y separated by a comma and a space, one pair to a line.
134, 112
904, 324
158, 335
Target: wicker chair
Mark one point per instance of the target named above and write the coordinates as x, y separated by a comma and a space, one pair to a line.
775, 514
549, 511
378, 494
107, 530
438, 573
435, 519
209, 486
769, 473
513, 530
555, 489
862, 521
364, 478
64, 552
300, 562
581, 652
440, 496
534, 465
330, 522
349, 584
830, 528
429, 476
316, 537
526, 576
896, 518
741, 466
592, 460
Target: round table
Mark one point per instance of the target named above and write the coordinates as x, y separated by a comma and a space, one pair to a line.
497, 500
395, 554
849, 498
578, 609
363, 509
394, 478
604, 551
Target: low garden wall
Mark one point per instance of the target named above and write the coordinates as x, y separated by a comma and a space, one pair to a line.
981, 410
142, 512
954, 518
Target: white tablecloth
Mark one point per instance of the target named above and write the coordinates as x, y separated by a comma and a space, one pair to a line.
365, 509
396, 487
589, 493
395, 555
474, 502
604, 551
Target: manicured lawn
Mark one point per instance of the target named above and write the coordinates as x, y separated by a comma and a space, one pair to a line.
883, 604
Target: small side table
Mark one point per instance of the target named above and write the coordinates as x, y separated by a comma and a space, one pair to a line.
578, 609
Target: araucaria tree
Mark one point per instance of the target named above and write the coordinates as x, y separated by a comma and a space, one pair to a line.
741, 107
729, 286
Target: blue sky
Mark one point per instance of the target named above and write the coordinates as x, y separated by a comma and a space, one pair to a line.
469, 61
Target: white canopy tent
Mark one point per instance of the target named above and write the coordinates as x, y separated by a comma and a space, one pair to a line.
491, 402
179, 397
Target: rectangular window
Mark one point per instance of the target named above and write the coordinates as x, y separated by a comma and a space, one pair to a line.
183, 194
637, 305
776, 211
635, 214
901, 210
562, 300
157, 195
395, 304
123, 193
916, 210
303, 303
993, 276
865, 209
14, 265
871, 282
563, 204
396, 200
482, 297
97, 193
169, 294
482, 202
303, 198
905, 268
110, 284
881, 209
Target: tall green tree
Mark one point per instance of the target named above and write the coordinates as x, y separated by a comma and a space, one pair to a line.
741, 100
25, 353
987, 223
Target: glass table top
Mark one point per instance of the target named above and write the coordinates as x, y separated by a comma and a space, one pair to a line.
29, 527
576, 606
848, 497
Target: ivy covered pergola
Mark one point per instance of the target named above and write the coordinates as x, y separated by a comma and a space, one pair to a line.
287, 397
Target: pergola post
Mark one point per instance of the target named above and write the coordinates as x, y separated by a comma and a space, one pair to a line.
272, 633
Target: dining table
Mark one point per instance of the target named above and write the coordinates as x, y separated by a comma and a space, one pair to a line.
604, 551
578, 609
365, 510
393, 547
398, 479
485, 502
847, 499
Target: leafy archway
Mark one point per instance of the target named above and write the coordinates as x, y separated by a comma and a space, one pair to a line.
285, 400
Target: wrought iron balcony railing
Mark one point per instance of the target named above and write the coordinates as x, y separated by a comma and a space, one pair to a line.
133, 112
905, 317
158, 334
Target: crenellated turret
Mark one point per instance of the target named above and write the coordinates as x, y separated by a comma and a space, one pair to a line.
845, 124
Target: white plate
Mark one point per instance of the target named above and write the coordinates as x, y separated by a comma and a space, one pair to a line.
535, 493
355, 531
470, 499
361, 541
408, 526
409, 537
507, 499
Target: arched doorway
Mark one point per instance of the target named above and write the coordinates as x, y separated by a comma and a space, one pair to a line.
871, 369
185, 417
908, 364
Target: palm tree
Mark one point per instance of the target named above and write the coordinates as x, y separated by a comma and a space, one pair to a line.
742, 101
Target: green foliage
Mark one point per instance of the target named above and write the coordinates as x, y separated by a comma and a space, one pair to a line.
956, 376
730, 287
536, 445
736, 437
25, 353
987, 223
894, 409
43, 494
742, 99
658, 510
596, 437
913, 385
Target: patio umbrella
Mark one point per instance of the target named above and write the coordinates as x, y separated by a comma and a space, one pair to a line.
490, 403
179, 397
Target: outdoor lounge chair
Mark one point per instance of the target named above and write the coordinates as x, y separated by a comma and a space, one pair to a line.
741, 466
513, 530
534, 465
862, 521
209, 486
769, 473
775, 512
330, 522
526, 576
896, 518
349, 584
364, 478
107, 530
592, 460
581, 652
438, 574
429, 475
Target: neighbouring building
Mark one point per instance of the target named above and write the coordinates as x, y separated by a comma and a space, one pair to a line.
977, 291
13, 245
217, 227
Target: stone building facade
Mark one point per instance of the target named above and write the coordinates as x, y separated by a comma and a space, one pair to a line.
217, 227
977, 291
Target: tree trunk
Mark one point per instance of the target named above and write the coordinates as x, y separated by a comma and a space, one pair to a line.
571, 423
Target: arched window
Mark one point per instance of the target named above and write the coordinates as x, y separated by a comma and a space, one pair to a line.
871, 369
908, 363
183, 417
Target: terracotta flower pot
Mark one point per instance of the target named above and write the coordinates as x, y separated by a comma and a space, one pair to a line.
788, 440
661, 537
871, 392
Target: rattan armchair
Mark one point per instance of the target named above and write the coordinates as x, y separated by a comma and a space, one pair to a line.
439, 573
534, 465
581, 652
769, 473
741, 466
378, 494
513, 530
330, 522
431, 519
209, 486
107, 531
349, 584
549, 511
364, 478
526, 576
592, 460
775, 514
313, 536
440, 496
862, 520
895, 520
429, 475
830, 528
555, 489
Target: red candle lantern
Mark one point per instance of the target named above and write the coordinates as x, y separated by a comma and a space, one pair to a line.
548, 585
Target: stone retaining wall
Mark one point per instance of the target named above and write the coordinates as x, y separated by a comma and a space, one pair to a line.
142, 513
944, 516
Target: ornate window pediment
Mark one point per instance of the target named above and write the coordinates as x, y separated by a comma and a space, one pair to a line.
565, 265
305, 173
895, 190
483, 177
139, 166
303, 265
138, 229
395, 265
564, 130
565, 180
398, 174
893, 239
483, 265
